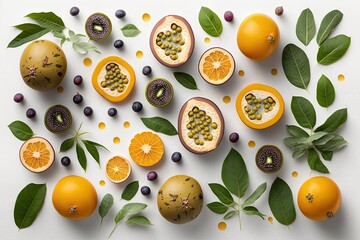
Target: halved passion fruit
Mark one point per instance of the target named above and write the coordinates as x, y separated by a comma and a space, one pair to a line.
259, 106
200, 125
172, 41
113, 78
159, 92
216, 65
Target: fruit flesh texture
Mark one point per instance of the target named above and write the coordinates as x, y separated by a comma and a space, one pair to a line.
269, 159
98, 26
118, 169
159, 92
58, 119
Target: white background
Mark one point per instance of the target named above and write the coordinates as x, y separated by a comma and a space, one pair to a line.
206, 168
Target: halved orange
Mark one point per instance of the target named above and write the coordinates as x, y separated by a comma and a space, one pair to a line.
118, 169
146, 149
37, 154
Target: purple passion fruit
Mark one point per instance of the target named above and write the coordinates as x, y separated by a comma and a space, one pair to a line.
159, 92
98, 26
58, 119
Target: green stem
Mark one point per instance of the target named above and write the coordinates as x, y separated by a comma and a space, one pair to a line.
113, 230
238, 214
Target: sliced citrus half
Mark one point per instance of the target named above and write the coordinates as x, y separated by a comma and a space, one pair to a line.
118, 169
146, 149
37, 154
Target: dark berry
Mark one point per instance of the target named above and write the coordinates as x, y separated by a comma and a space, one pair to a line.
279, 10
151, 176
18, 97
88, 111
176, 157
74, 11
145, 190
229, 16
65, 161
112, 112
120, 13
77, 99
137, 106
30, 113
146, 70
234, 137
119, 43
78, 80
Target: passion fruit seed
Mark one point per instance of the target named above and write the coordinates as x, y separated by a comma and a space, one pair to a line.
171, 41
255, 105
114, 79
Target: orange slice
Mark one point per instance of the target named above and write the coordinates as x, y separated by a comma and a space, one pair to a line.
37, 154
118, 169
146, 149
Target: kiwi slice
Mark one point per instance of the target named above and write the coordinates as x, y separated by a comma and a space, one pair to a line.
269, 159
98, 26
159, 92
58, 119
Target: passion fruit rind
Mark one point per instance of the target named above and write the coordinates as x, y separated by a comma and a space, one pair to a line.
172, 41
58, 119
269, 159
114, 79
159, 92
201, 125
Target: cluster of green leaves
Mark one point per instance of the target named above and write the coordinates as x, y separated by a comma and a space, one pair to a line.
90, 146
235, 177
210, 22
321, 140
49, 22
159, 124
132, 210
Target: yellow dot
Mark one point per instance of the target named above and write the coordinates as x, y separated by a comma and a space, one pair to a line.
139, 54
274, 71
207, 40
341, 77
87, 62
102, 183
251, 144
60, 89
101, 125
116, 140
294, 174
226, 99
222, 226
241, 73
126, 124
146, 17
270, 219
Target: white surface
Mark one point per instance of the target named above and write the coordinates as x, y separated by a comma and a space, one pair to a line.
49, 225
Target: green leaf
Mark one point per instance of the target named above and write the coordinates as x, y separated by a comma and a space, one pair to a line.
67, 144
130, 191
21, 130
315, 162
316, 136
281, 202
222, 193
323, 140
29, 33
333, 49
80, 153
159, 124
48, 20
333, 122
230, 214
251, 210
295, 143
218, 207
28, 204
96, 144
300, 152
105, 205
303, 112
84, 47
186, 80
130, 30
296, 66
326, 155
210, 22
305, 27
296, 131
60, 35
336, 143
329, 22
138, 220
255, 195
92, 150
325, 92
234, 173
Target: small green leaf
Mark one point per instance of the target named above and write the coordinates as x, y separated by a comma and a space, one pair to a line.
333, 49
255, 195
329, 22
105, 205
130, 191
84, 47
60, 35
315, 136
300, 152
222, 193
326, 155
80, 153
296, 131
134, 208
130, 30
48, 20
186, 80
210, 22
96, 144
230, 214
296, 66
28, 204
315, 162
295, 143
325, 92
305, 27
138, 220
303, 112
67, 144
218, 207
333, 122
336, 143
21, 130
92, 150
29, 33
159, 124
323, 140
251, 210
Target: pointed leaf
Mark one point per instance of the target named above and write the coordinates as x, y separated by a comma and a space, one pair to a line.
303, 112
333, 49
255, 195
296, 131
96, 144
210, 22
329, 22
161, 125
67, 144
93, 151
316, 136
323, 140
130, 208
222, 193
186, 80
105, 205
48, 20
305, 27
130, 191
138, 220
295, 143
333, 122
29, 33
217, 207
21, 130
326, 155
325, 92
230, 214
251, 210
80, 153
333, 145
315, 162
130, 30
300, 152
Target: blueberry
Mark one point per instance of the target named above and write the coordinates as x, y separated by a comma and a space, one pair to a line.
137, 106
88, 111
151, 176
74, 11
229, 16
145, 190
112, 112
65, 161
18, 97
30, 113
234, 137
146, 70
77, 99
78, 80
120, 13
176, 157
119, 43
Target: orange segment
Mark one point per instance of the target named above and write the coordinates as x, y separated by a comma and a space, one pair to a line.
118, 169
146, 149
